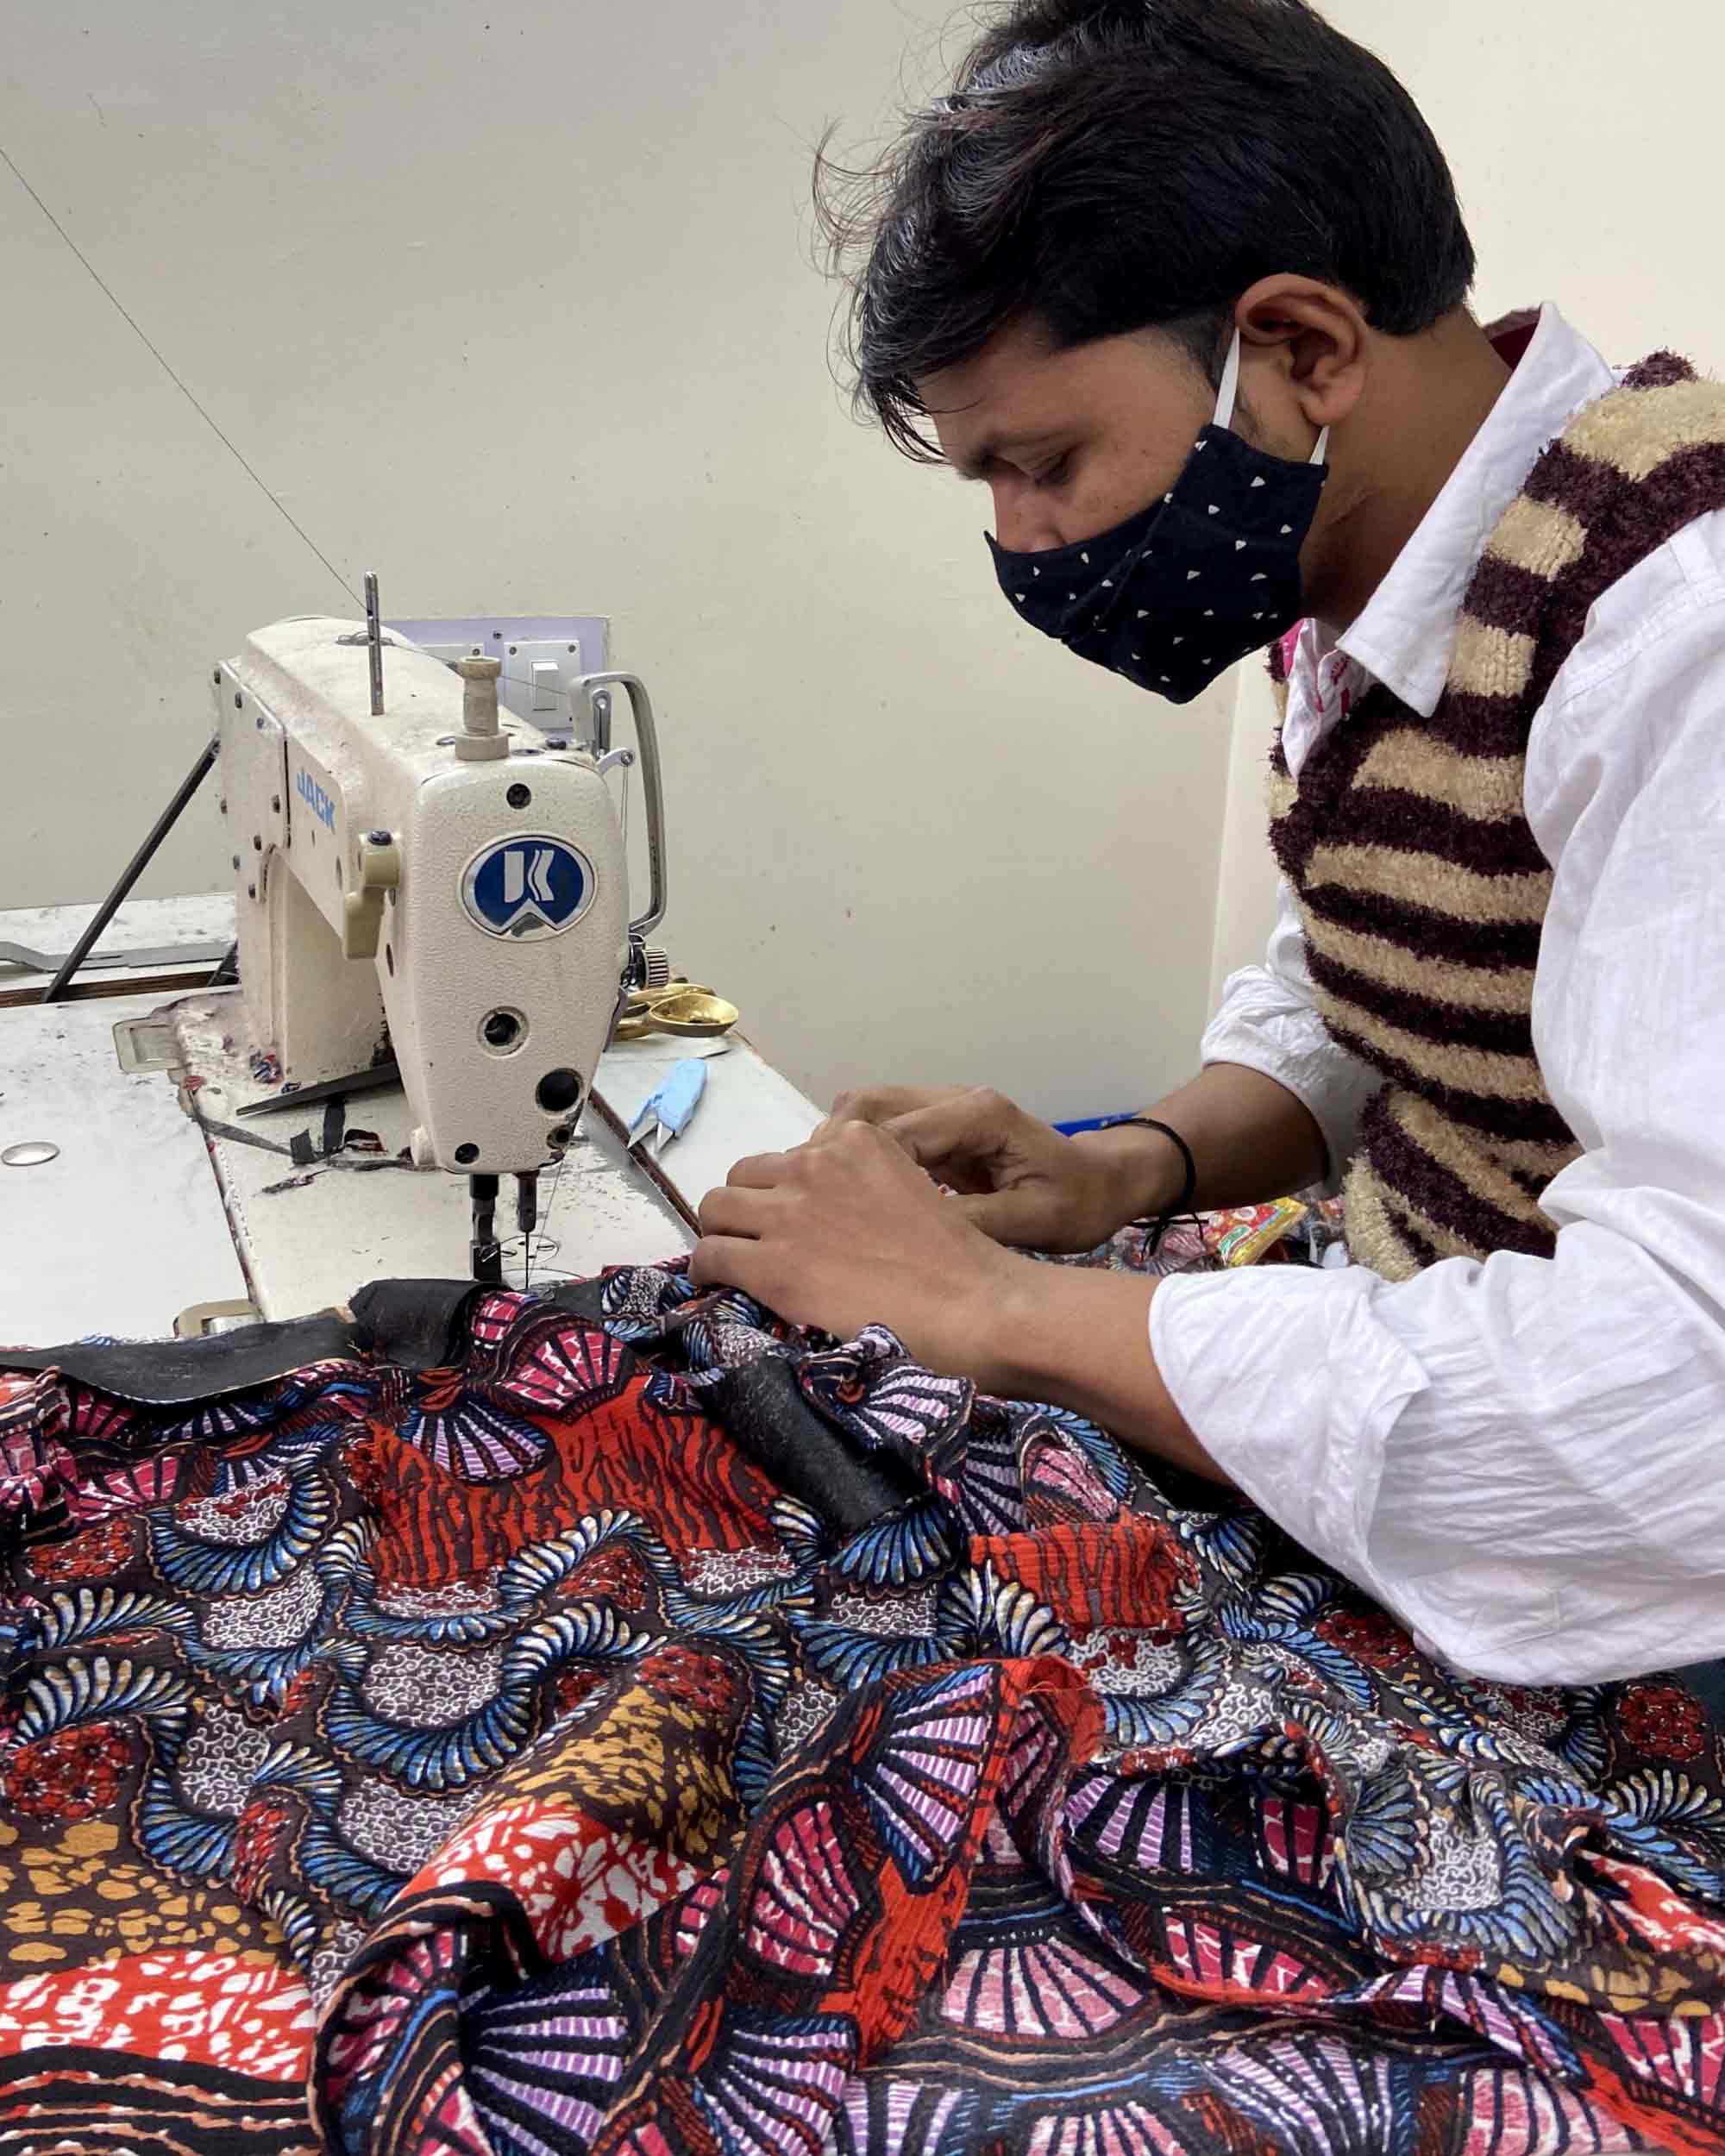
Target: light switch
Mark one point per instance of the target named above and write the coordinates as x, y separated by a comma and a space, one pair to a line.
544, 685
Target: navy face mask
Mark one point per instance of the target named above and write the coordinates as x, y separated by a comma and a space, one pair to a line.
1211, 572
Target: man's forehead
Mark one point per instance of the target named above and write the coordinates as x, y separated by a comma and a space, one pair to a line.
987, 402
1020, 391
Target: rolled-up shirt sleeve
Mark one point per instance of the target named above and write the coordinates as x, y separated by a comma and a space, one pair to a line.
1524, 1458
1268, 1022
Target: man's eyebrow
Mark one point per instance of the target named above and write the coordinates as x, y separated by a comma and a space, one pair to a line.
974, 465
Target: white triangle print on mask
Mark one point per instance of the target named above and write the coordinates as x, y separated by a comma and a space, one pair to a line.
1103, 634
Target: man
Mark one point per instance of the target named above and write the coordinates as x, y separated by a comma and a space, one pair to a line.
1183, 283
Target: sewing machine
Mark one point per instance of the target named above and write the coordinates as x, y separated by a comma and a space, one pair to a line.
416, 880
428, 891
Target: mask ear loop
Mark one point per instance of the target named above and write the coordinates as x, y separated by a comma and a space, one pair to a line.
1227, 395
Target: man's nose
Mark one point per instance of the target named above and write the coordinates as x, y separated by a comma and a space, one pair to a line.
1023, 523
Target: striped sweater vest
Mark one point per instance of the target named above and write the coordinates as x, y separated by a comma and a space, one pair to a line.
1421, 888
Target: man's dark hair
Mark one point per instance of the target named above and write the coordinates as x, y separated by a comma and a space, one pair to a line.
1107, 165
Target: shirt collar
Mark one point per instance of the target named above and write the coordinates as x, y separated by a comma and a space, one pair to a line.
1406, 636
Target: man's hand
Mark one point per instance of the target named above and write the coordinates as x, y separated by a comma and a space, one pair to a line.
847, 1231
1021, 1183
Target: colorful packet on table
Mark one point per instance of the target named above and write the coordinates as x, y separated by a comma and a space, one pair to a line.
1244, 1234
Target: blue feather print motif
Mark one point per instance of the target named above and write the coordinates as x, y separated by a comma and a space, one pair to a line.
202, 1547
636, 1304
1139, 1721
913, 1544
1669, 1820
451, 1754
1282, 1614
1233, 1543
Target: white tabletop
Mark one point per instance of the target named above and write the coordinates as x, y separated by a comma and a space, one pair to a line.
147, 1213
124, 1229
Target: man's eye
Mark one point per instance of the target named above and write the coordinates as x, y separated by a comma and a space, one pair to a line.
1057, 473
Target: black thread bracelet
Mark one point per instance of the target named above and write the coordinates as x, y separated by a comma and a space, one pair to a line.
1183, 1205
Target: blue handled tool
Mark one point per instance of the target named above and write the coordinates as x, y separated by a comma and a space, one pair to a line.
667, 1110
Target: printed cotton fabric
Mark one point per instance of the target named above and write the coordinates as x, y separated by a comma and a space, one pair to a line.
654, 1732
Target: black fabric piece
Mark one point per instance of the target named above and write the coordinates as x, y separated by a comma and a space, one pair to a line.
334, 1124
170, 1372
420, 1325
301, 1150
763, 1407
581, 1298
1707, 1681
1173, 597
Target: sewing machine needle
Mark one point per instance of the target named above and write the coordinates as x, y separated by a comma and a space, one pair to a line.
488, 1251
527, 1217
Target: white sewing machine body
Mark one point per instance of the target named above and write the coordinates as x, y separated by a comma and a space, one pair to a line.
390, 898
393, 893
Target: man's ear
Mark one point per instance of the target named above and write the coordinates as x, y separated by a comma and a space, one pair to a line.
1316, 338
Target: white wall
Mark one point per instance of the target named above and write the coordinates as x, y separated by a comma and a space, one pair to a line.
1585, 139
512, 302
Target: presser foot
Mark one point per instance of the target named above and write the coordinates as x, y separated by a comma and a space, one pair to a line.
488, 1251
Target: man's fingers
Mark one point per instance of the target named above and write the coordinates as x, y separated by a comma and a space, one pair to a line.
879, 1104
874, 1104
731, 1210
727, 1261
761, 1171
969, 1126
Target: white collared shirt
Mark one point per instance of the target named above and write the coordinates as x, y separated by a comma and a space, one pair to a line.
1524, 1458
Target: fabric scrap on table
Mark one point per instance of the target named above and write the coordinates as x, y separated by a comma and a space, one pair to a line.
471, 1742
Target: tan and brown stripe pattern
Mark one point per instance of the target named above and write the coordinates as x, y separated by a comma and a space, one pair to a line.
1421, 889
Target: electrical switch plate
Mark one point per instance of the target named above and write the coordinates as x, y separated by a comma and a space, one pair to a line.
543, 655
